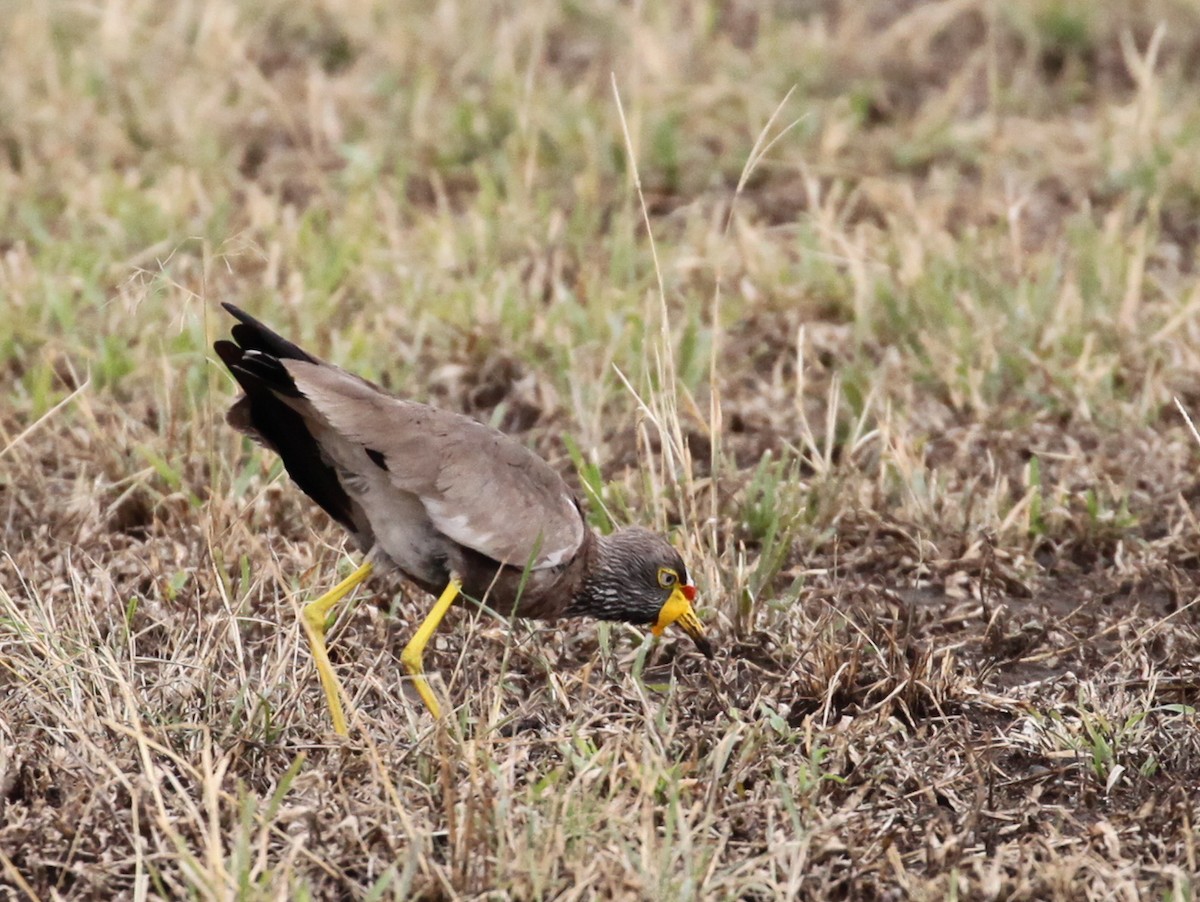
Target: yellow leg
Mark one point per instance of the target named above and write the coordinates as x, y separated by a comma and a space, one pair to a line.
313, 619
415, 649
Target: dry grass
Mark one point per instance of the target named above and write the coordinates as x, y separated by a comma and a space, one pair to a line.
902, 388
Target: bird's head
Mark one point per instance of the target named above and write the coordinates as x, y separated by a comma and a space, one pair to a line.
642, 579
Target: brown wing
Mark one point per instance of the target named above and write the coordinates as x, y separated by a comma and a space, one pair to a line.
481, 488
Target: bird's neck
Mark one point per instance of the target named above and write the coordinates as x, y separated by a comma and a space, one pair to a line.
599, 595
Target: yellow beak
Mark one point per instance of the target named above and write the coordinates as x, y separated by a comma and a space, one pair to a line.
678, 609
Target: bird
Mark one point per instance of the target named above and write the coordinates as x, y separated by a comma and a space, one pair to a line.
457, 507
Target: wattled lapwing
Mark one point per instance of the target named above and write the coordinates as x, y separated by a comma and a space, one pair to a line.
455, 505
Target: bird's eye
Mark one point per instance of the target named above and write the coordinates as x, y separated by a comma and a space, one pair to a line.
667, 577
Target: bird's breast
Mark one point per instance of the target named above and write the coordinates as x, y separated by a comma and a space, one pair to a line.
535, 594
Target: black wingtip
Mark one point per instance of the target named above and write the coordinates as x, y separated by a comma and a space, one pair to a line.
253, 335
256, 358
268, 370
229, 353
